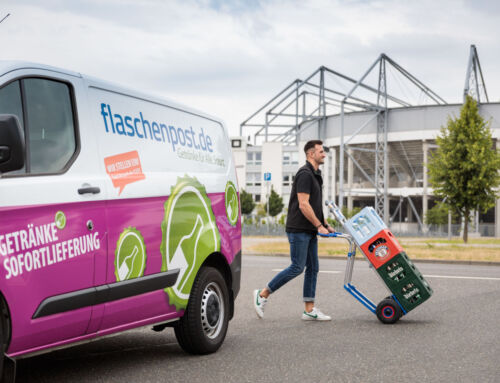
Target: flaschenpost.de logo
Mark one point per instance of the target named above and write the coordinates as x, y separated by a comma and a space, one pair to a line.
189, 236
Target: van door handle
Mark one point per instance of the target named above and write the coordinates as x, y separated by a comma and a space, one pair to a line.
89, 190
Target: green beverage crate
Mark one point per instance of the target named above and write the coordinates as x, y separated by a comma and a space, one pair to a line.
413, 293
405, 281
397, 270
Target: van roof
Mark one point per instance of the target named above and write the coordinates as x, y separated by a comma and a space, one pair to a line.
9, 66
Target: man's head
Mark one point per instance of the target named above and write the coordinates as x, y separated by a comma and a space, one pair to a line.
315, 153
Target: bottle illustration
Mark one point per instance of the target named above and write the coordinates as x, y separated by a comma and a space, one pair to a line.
229, 206
189, 235
130, 255
124, 269
231, 203
185, 245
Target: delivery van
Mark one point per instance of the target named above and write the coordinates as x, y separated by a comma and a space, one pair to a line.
117, 210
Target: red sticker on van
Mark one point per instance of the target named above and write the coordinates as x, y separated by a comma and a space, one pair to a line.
124, 168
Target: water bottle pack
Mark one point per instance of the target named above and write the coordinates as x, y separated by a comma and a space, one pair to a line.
364, 225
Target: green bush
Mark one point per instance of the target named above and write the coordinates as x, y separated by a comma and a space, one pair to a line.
282, 220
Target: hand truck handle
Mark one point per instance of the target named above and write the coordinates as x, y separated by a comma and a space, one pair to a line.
334, 209
334, 235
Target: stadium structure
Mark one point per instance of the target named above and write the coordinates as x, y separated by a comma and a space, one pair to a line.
380, 130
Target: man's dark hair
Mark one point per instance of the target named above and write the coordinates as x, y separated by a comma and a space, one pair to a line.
311, 144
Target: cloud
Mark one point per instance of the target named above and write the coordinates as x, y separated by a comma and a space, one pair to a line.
229, 57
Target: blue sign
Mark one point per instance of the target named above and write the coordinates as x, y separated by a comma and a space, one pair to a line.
267, 176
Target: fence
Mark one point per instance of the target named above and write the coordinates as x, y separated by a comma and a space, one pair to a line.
405, 230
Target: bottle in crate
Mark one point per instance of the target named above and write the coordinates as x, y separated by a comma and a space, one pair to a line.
364, 225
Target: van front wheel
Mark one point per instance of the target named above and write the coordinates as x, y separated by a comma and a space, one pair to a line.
204, 325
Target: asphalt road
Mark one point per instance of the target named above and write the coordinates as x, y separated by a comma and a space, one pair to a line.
453, 337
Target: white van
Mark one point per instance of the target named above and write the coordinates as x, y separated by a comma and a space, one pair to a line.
117, 210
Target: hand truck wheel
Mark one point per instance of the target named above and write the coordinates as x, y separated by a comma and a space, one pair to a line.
388, 311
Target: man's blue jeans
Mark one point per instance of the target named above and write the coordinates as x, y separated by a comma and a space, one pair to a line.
304, 254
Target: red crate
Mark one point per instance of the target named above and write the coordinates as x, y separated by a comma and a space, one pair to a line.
382, 247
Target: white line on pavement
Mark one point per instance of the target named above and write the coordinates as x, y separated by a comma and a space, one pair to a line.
427, 276
462, 277
321, 271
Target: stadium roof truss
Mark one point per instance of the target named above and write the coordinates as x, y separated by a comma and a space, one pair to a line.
305, 104
474, 81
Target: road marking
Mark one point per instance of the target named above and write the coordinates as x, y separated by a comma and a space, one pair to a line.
426, 276
462, 277
321, 271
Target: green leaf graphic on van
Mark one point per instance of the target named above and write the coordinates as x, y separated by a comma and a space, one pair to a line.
231, 200
60, 220
130, 255
190, 235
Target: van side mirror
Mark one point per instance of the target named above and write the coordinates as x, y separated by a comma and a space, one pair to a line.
11, 144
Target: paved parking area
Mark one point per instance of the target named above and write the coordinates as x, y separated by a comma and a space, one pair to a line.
451, 338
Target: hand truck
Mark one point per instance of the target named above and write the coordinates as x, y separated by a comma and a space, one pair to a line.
406, 284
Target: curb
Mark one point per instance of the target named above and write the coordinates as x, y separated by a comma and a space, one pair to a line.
442, 261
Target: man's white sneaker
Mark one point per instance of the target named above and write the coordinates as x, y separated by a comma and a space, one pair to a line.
259, 303
315, 314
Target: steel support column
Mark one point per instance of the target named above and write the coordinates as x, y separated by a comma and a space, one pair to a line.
381, 158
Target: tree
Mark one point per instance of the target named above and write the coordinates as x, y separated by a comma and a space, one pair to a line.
275, 204
247, 203
261, 211
437, 215
465, 167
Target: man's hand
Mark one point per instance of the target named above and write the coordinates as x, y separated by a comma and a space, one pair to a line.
322, 230
330, 229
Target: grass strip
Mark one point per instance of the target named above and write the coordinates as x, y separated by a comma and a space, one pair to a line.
417, 249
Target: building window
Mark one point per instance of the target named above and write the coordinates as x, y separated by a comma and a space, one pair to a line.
258, 158
254, 158
290, 158
288, 179
286, 199
257, 197
236, 143
253, 179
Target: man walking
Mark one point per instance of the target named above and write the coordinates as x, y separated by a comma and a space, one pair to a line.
305, 219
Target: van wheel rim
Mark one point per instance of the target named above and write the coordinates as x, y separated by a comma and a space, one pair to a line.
212, 310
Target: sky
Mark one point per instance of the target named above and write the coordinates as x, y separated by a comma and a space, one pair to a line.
228, 58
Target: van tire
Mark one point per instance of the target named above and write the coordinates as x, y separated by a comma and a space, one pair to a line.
4, 333
203, 327
2, 351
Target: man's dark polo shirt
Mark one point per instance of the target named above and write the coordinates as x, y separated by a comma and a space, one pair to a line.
307, 180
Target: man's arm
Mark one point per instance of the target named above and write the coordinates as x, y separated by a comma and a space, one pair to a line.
306, 209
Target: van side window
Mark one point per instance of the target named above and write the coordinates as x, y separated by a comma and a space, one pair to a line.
50, 122
11, 103
45, 111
